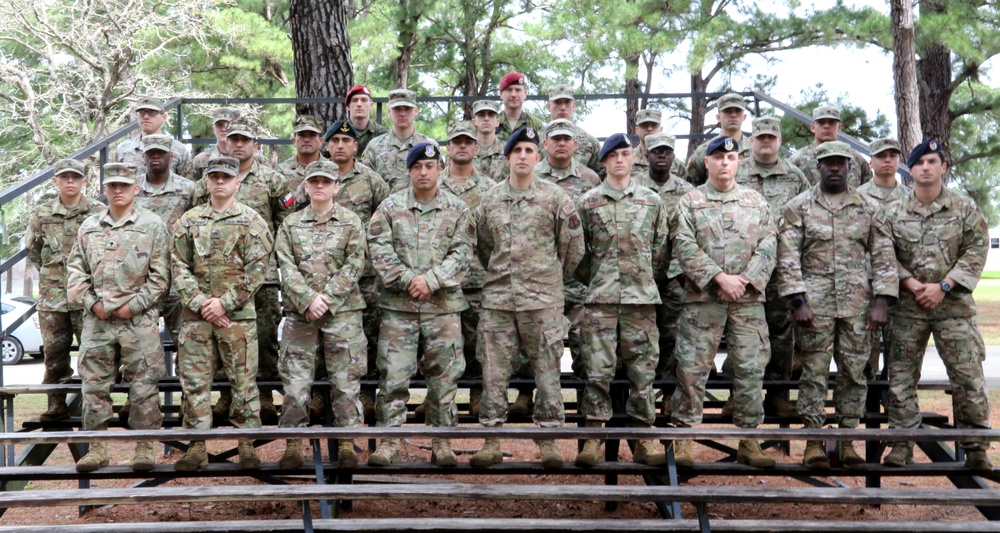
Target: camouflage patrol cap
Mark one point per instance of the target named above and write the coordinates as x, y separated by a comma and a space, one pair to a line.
154, 104
119, 173
239, 127
885, 143
561, 91
226, 165
402, 97
460, 129
70, 165
730, 100
224, 114
327, 169
766, 126
559, 126
341, 127
659, 140
833, 149
648, 115
306, 123
157, 142
485, 105
826, 111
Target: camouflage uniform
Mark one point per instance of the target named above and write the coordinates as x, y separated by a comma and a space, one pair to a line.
295, 172
505, 128
200, 162
386, 155
640, 170
366, 135
529, 241
671, 290
130, 152
626, 233
697, 174
117, 263
718, 232
490, 161
587, 150
220, 255
52, 231
840, 257
322, 255
434, 239
805, 159
948, 238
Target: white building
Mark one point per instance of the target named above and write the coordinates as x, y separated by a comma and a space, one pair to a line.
993, 257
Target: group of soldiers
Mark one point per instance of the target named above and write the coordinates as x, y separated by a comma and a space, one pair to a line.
385, 258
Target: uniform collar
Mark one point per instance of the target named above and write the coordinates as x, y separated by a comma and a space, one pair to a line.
941, 203
169, 186
106, 219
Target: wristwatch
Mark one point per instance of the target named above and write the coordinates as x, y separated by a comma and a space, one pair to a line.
798, 302
945, 286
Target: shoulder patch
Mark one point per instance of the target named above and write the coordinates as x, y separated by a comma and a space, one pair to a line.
791, 216
376, 228
569, 209
471, 229
574, 221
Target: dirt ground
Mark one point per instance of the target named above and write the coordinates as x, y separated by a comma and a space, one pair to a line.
416, 450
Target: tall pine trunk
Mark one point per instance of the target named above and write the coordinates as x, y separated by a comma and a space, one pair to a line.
322, 55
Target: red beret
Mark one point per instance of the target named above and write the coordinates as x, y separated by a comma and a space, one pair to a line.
512, 78
357, 89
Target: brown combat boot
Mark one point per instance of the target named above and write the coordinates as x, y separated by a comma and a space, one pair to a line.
292, 458
977, 460
728, 408
523, 405
551, 458
850, 458
475, 398
268, 412
900, 455
58, 410
489, 455
195, 458
97, 457
775, 404
220, 411
143, 460
590, 455
248, 455
815, 455
346, 457
367, 407
317, 407
441, 453
682, 453
388, 452
751, 454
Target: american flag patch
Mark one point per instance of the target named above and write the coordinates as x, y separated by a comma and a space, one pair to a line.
287, 200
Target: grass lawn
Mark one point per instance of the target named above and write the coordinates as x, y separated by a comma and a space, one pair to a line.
988, 300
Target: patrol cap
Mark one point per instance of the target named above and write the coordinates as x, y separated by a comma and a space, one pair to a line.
730, 100
224, 114
559, 126
462, 129
826, 111
157, 142
833, 149
561, 91
485, 105
612, 143
643, 116
356, 90
119, 173
306, 123
70, 165
766, 126
341, 127
327, 169
930, 146
402, 98
722, 143
512, 78
885, 143
659, 140
154, 104
527, 135
238, 127
421, 152
226, 165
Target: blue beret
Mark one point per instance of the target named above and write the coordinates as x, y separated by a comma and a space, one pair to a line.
521, 135
340, 127
421, 152
930, 146
612, 143
723, 143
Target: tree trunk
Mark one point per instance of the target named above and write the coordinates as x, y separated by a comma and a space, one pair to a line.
904, 73
631, 87
934, 73
405, 58
699, 109
322, 55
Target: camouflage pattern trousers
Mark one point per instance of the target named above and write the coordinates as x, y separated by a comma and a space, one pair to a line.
961, 349
701, 328
780, 348
844, 340
438, 338
137, 340
573, 312
502, 335
340, 342
470, 322
625, 333
204, 348
57, 338
668, 313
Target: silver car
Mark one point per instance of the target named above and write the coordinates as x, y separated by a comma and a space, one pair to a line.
27, 338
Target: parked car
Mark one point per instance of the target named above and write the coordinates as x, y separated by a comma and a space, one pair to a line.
27, 338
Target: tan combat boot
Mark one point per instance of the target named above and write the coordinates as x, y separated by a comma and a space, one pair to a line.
292, 458
776, 404
977, 460
850, 458
124, 412
317, 407
728, 408
682, 453
58, 410
442, 454
421, 409
489, 455
388, 452
195, 458
649, 452
551, 458
590, 455
475, 398
220, 411
815, 455
143, 460
523, 405
346, 458
900, 455
751, 454
248, 455
367, 407
96, 457
268, 412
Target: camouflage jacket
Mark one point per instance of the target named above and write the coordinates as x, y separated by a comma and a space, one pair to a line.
130, 151
471, 193
671, 193
51, 234
626, 233
839, 256
120, 263
727, 232
200, 162
168, 202
433, 239
587, 151
806, 160
778, 185
321, 255
880, 195
948, 238
529, 241
294, 172
696, 172
221, 255
640, 168
505, 128
386, 155
366, 135
491, 162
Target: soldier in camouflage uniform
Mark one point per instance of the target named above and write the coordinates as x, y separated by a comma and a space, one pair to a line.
221, 253
386, 154
626, 232
421, 242
359, 108
307, 136
513, 94
825, 127
221, 117
561, 105
266, 192
151, 116
836, 263
52, 230
489, 159
321, 252
647, 122
529, 240
732, 113
941, 242
725, 243
118, 271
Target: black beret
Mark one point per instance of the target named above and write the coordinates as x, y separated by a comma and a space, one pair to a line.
930, 146
341, 127
612, 143
723, 143
521, 135
421, 152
